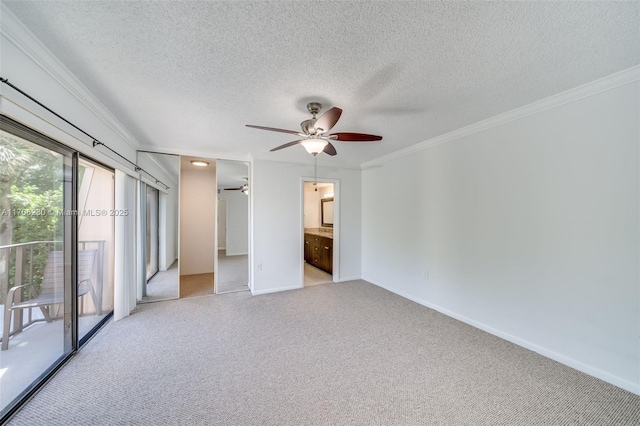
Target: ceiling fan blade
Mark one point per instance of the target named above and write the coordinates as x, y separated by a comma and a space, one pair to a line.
273, 129
328, 119
233, 189
330, 149
286, 145
354, 137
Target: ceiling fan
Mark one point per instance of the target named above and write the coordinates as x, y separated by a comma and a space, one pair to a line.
315, 132
244, 188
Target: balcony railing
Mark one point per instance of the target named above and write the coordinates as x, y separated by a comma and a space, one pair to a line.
24, 263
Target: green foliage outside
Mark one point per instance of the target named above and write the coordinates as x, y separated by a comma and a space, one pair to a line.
30, 203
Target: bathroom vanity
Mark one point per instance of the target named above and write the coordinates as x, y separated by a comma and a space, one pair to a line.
318, 249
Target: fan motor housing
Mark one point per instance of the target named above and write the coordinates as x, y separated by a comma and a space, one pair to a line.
308, 126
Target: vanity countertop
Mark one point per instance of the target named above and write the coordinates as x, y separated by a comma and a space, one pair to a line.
320, 232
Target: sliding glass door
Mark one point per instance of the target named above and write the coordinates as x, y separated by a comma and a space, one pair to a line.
36, 252
56, 256
95, 245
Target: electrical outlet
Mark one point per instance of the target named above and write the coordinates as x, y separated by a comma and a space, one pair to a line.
259, 267
425, 275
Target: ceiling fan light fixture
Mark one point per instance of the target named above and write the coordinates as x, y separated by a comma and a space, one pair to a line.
314, 132
199, 163
314, 146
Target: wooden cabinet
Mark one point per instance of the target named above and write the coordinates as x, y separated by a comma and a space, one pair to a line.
318, 251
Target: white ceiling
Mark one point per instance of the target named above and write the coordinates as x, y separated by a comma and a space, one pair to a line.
187, 76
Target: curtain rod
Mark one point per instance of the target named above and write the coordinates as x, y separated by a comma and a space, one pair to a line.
157, 152
96, 142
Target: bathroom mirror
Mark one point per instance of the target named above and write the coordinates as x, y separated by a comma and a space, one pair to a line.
327, 211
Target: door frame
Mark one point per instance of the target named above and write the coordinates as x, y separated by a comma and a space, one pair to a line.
336, 225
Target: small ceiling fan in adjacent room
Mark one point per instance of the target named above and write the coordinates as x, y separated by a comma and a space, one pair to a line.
316, 138
244, 188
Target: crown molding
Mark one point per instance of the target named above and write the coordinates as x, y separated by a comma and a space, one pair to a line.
20, 36
603, 84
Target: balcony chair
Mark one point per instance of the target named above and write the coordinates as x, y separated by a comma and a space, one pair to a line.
51, 291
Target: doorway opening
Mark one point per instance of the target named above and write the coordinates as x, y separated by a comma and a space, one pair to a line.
197, 226
320, 236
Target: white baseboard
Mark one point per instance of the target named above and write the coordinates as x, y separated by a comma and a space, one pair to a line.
341, 280
274, 290
570, 362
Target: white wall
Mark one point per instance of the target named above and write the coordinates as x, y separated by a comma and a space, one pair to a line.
277, 218
326, 191
311, 206
197, 221
528, 230
237, 241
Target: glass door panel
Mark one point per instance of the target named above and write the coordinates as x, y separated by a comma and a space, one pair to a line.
95, 245
35, 259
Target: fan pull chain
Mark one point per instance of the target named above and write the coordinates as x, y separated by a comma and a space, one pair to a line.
315, 171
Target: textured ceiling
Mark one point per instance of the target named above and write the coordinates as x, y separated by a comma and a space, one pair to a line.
187, 76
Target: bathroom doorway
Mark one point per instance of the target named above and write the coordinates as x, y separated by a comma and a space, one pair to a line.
320, 234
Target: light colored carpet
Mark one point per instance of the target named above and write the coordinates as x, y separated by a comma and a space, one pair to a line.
164, 285
344, 354
233, 272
